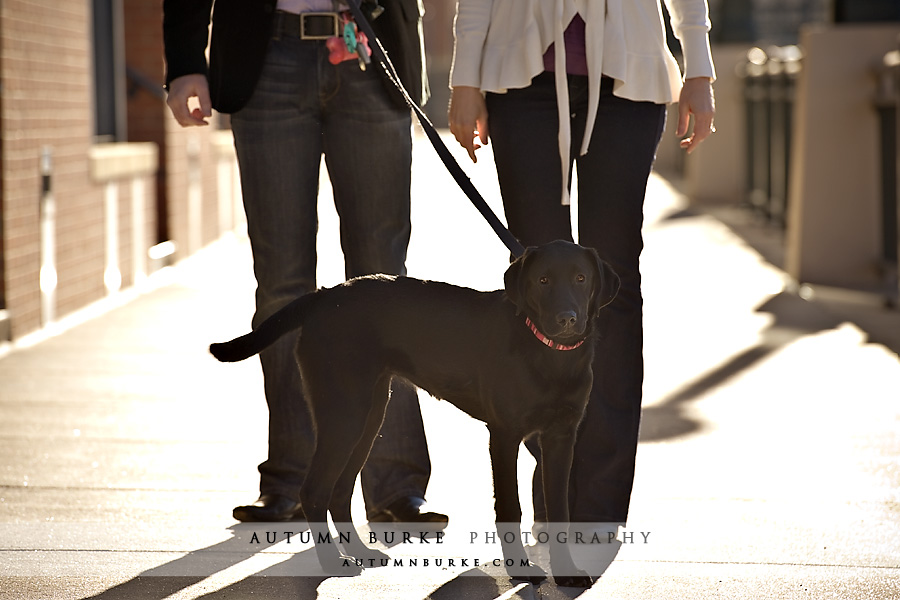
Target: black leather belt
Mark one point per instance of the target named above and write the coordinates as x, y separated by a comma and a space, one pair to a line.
308, 26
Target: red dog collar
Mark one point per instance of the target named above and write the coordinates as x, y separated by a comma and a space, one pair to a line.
547, 341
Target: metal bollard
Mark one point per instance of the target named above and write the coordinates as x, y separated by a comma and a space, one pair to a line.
48, 274
769, 82
887, 98
757, 123
783, 67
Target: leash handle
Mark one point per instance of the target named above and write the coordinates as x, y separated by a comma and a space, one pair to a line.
443, 152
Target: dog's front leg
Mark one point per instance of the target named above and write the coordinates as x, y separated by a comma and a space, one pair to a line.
557, 448
504, 448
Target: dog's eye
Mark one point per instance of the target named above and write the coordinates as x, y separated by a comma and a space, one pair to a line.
544, 280
580, 278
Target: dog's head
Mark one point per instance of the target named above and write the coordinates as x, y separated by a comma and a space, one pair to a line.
561, 286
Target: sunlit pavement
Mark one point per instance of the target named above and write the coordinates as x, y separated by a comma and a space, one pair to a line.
769, 465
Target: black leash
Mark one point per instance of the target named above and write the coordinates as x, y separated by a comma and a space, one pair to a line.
446, 157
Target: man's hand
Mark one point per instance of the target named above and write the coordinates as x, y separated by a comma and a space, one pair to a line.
697, 100
468, 118
181, 90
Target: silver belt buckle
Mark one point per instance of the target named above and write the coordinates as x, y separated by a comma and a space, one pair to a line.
335, 20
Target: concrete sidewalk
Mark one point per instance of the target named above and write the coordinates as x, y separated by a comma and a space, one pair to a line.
769, 465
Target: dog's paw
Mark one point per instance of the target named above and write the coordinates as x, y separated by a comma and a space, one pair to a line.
370, 557
342, 566
579, 580
531, 574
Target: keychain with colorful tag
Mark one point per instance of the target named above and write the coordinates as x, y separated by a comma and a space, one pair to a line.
353, 44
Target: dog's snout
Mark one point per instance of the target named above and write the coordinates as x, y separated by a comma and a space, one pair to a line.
567, 319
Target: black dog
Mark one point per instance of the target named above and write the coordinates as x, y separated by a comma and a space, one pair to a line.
518, 359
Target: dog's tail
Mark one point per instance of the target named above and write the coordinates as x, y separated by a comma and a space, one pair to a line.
289, 318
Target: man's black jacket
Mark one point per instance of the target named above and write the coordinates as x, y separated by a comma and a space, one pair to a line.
241, 30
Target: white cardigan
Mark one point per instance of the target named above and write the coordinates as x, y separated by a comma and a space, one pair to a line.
500, 45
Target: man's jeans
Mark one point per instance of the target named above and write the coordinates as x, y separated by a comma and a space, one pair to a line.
612, 180
303, 107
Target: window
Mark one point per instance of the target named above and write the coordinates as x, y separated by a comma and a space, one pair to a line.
109, 71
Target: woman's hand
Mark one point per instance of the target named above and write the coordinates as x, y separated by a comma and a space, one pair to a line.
696, 99
468, 118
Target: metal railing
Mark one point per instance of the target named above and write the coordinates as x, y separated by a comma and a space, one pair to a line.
769, 81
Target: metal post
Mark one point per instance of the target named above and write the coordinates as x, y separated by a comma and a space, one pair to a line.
138, 230
886, 102
783, 67
48, 276
777, 136
194, 197
112, 275
758, 139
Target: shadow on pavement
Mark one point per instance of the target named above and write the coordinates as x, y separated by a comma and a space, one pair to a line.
218, 572
472, 585
483, 585
795, 318
864, 308
197, 566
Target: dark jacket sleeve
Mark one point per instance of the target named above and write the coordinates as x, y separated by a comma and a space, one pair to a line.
240, 35
185, 36
241, 32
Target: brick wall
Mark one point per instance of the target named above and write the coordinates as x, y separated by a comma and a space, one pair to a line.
46, 73
45, 67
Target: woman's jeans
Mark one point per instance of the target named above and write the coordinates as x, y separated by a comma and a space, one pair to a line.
612, 181
304, 107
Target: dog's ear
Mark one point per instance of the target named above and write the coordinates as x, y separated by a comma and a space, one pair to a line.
607, 286
513, 281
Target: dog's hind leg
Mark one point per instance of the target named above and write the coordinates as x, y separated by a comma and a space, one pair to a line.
343, 491
504, 448
340, 406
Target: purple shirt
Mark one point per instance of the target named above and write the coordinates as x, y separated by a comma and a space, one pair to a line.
576, 61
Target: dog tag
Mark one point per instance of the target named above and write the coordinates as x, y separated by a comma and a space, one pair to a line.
350, 37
